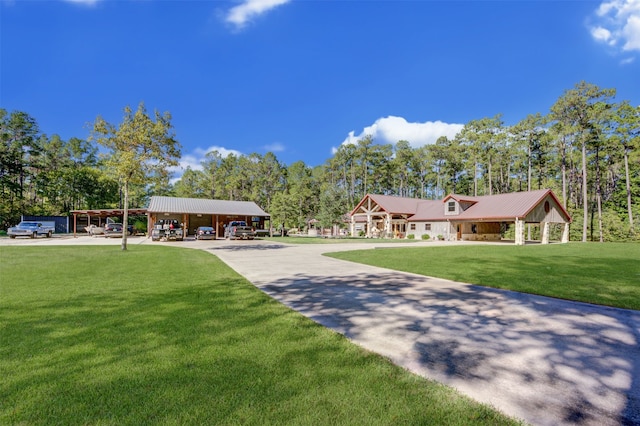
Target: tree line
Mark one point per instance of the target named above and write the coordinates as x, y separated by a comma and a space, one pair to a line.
586, 149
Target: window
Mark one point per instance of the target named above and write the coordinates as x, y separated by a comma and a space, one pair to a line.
427, 227
451, 207
413, 226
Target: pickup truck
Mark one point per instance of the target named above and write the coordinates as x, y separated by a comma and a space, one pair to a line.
30, 229
239, 229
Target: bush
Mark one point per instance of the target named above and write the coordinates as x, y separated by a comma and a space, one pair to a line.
139, 227
440, 238
426, 236
411, 237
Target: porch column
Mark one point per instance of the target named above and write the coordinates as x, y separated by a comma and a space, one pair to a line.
387, 226
368, 234
545, 233
519, 232
353, 226
565, 233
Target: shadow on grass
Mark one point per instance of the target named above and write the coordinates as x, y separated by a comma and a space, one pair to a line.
220, 353
541, 358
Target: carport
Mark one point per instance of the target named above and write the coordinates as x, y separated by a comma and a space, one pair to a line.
194, 212
98, 217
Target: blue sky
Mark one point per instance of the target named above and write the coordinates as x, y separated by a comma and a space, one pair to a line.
300, 77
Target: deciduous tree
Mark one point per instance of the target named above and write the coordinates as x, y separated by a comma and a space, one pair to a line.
140, 148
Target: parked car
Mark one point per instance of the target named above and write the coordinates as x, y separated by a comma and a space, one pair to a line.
30, 229
113, 230
205, 233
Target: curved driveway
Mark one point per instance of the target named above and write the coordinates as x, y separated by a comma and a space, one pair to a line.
547, 361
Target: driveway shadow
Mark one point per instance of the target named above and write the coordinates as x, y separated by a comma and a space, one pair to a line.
545, 360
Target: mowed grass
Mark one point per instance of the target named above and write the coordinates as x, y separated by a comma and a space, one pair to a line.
604, 274
164, 335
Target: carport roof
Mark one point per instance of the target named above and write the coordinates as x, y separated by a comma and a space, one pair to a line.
160, 204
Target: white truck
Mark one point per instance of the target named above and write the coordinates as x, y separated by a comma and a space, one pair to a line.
31, 229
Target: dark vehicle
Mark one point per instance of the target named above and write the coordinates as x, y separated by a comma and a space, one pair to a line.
239, 229
167, 229
205, 233
113, 230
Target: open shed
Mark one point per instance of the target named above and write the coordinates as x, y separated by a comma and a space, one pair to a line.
195, 212
98, 217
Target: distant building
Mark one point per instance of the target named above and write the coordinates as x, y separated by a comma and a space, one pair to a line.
460, 217
195, 212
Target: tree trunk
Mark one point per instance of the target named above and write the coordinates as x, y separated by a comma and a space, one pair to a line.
125, 216
563, 166
599, 194
475, 177
585, 214
626, 171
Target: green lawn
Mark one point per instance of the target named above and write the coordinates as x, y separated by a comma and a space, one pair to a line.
605, 274
165, 335
345, 240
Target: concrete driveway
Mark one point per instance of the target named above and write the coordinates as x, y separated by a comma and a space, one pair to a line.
547, 361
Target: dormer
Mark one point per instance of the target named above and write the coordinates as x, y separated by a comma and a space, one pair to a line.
451, 208
456, 204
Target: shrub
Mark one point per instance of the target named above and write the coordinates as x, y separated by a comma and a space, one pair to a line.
440, 237
139, 227
411, 237
426, 236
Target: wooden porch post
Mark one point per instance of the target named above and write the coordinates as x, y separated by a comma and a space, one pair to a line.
368, 235
353, 226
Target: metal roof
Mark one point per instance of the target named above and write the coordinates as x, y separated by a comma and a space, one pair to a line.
160, 204
487, 207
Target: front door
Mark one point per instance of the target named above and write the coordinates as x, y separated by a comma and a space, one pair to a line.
459, 232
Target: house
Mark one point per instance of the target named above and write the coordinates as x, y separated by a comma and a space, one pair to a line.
461, 217
195, 212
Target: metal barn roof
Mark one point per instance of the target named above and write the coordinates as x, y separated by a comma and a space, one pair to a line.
498, 207
160, 204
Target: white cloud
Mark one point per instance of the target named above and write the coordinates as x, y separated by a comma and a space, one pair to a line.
241, 14
194, 160
602, 34
631, 32
274, 147
84, 2
393, 129
617, 23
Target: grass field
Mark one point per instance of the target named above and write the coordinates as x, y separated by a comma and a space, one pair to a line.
604, 274
164, 335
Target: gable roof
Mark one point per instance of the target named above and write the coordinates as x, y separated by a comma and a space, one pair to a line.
391, 203
160, 204
491, 207
487, 207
